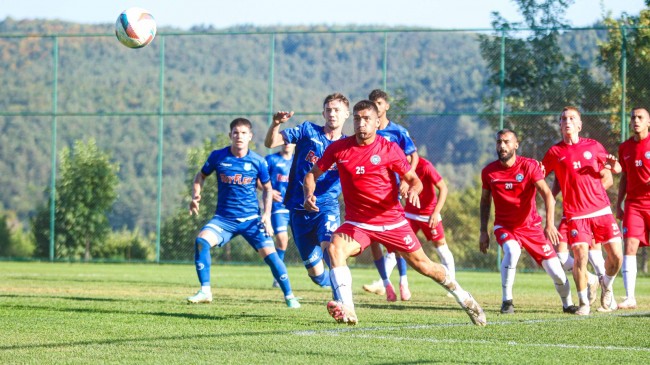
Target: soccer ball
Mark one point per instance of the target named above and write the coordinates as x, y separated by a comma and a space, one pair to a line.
135, 28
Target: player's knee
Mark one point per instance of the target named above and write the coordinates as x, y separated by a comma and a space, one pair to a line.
322, 280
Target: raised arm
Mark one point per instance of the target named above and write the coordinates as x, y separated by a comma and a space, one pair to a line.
273, 137
442, 198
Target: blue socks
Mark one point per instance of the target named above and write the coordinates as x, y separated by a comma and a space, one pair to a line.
323, 280
202, 260
280, 253
401, 266
279, 271
381, 267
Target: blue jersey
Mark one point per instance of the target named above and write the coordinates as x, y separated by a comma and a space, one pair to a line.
237, 182
398, 134
279, 172
310, 143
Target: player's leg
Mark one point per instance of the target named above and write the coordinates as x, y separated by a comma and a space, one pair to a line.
596, 259
280, 223
305, 238
263, 244
554, 269
629, 271
344, 244
581, 257
378, 286
216, 232
511, 254
613, 264
404, 291
421, 263
562, 251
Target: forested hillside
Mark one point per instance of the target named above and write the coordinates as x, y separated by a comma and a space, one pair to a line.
210, 79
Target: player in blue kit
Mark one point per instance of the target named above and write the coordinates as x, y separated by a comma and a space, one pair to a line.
385, 264
238, 213
312, 230
279, 166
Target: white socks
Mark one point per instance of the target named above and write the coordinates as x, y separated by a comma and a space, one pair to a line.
629, 275
447, 259
341, 279
511, 253
556, 272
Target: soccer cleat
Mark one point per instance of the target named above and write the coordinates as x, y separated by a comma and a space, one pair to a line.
390, 293
404, 292
607, 301
507, 307
592, 291
572, 309
583, 310
275, 284
293, 303
627, 303
474, 311
200, 297
341, 313
377, 287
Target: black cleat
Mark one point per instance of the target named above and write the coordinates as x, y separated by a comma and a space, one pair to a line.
572, 309
507, 307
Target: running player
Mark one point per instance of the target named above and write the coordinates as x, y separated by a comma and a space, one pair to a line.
367, 166
279, 165
578, 164
427, 217
238, 213
512, 182
312, 230
634, 188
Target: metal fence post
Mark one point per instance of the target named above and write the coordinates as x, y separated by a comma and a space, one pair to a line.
623, 76
271, 79
55, 102
161, 110
385, 61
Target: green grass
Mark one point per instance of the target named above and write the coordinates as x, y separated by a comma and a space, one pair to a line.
101, 313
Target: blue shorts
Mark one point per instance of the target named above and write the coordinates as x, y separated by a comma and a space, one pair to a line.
280, 221
252, 230
310, 229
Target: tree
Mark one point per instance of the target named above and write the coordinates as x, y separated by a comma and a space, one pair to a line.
628, 37
539, 77
85, 192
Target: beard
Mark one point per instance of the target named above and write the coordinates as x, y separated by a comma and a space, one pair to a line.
507, 156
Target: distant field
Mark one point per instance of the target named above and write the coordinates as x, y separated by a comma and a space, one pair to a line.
100, 313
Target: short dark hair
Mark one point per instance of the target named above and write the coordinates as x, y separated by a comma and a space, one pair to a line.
640, 108
241, 121
570, 107
337, 96
365, 105
378, 94
506, 131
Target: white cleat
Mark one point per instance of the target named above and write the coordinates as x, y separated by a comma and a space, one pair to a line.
377, 287
607, 301
474, 311
592, 290
583, 310
200, 297
341, 313
627, 303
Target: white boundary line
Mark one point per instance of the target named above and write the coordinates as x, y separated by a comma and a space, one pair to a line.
359, 333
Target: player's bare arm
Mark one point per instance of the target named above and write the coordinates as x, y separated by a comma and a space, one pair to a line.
606, 178
622, 189
197, 186
273, 137
309, 186
442, 197
549, 203
267, 201
611, 163
484, 237
413, 159
415, 187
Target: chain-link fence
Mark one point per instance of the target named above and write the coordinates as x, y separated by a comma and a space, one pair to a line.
152, 110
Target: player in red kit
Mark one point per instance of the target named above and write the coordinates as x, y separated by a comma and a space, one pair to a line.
578, 164
634, 187
512, 182
427, 216
367, 166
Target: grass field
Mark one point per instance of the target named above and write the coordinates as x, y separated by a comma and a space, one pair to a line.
101, 313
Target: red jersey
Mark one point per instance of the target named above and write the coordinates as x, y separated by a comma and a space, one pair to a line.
368, 179
635, 161
429, 176
577, 168
513, 191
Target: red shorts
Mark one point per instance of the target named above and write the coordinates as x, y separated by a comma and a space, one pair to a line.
599, 229
435, 234
400, 239
531, 238
563, 229
636, 223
